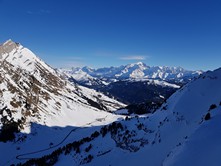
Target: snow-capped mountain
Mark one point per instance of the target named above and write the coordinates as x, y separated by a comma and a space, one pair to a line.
124, 82
184, 131
131, 71
33, 92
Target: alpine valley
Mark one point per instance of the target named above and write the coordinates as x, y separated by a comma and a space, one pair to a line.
141, 87
60, 117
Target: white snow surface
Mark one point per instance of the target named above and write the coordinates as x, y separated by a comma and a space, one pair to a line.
134, 71
24, 78
179, 134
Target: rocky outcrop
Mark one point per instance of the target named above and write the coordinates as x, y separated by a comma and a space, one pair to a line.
7, 47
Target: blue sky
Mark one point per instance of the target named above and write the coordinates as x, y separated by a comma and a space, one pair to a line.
99, 33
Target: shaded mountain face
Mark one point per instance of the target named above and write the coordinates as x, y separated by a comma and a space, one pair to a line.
31, 91
184, 131
132, 92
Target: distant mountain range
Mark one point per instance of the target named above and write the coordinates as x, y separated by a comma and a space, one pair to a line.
135, 71
148, 84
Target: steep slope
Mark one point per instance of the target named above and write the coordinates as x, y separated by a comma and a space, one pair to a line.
167, 137
203, 146
37, 105
31, 91
181, 121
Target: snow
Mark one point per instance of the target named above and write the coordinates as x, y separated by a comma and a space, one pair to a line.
54, 102
179, 134
202, 148
101, 77
135, 70
23, 58
164, 83
176, 134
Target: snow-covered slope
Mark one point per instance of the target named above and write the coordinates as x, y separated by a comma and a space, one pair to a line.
203, 146
180, 131
184, 131
31, 91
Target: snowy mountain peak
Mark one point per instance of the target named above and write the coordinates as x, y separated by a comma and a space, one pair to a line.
137, 65
22, 58
7, 47
138, 70
32, 91
87, 69
140, 64
9, 42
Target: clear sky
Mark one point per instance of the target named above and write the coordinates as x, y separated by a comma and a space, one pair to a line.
99, 33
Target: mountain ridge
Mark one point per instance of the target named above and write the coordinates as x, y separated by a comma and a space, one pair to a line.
155, 83
32, 91
134, 71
